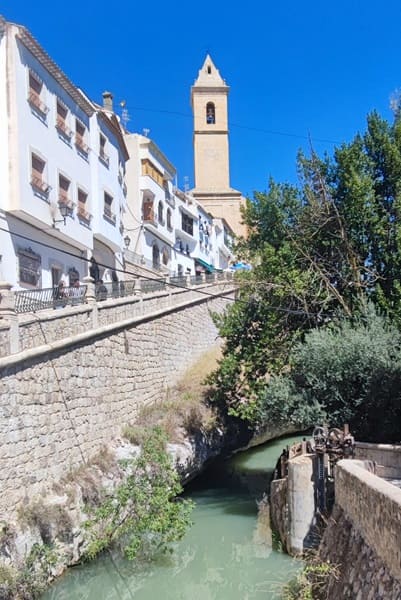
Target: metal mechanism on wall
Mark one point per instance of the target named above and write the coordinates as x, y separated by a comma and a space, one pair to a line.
329, 445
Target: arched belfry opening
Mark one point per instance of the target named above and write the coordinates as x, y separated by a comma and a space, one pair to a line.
210, 113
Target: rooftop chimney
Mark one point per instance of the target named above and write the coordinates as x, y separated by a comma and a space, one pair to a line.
108, 101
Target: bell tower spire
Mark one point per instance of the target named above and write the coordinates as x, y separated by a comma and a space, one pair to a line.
209, 96
209, 101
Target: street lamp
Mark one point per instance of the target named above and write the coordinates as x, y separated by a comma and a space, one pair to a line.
127, 241
64, 211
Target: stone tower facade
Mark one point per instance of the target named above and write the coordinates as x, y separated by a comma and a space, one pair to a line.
209, 100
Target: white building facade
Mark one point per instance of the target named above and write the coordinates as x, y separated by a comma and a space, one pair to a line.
159, 221
54, 212
167, 232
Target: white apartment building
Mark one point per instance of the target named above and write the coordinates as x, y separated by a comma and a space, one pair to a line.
224, 239
166, 231
109, 155
62, 165
186, 230
158, 221
204, 254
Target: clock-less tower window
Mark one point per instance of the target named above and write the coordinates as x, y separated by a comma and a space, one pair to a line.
210, 113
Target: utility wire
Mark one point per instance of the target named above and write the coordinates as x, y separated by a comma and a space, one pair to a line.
238, 125
167, 283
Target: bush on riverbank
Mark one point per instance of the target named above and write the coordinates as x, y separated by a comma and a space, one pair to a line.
143, 514
349, 372
311, 582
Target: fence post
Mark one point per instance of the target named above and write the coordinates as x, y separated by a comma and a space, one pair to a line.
169, 288
137, 287
8, 313
91, 298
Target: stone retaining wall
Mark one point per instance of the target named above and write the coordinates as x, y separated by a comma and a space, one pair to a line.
362, 574
363, 535
46, 326
62, 401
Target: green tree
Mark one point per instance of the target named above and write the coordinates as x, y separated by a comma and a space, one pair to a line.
319, 251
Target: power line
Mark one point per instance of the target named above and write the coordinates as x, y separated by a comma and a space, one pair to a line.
239, 126
167, 283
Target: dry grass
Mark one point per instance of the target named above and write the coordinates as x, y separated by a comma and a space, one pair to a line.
52, 520
193, 378
185, 410
88, 477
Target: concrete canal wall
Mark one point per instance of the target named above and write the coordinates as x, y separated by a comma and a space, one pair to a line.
362, 536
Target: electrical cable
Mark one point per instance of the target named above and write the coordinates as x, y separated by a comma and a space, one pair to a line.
167, 283
238, 125
133, 216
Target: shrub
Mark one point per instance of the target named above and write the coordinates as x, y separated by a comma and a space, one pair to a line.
353, 372
311, 582
282, 403
143, 514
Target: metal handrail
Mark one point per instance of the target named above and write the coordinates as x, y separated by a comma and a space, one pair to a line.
152, 285
179, 281
195, 279
41, 299
34, 300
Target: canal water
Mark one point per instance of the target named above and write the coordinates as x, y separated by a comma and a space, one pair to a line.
226, 555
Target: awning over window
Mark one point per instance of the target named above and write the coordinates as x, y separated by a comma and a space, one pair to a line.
209, 268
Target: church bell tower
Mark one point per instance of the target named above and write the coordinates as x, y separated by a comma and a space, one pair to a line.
209, 100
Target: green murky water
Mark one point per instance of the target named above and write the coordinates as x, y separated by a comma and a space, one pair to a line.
226, 555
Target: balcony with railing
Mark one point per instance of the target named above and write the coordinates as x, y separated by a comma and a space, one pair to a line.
169, 198
39, 184
108, 214
63, 128
37, 104
80, 145
65, 201
83, 214
104, 158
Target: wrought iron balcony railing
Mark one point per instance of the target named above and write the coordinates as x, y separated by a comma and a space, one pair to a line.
39, 184
37, 103
62, 127
34, 300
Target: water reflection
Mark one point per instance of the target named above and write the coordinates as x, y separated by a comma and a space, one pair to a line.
227, 554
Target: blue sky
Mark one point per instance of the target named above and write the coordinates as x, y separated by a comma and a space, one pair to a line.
294, 69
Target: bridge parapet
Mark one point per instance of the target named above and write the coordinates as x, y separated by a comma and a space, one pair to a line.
48, 321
